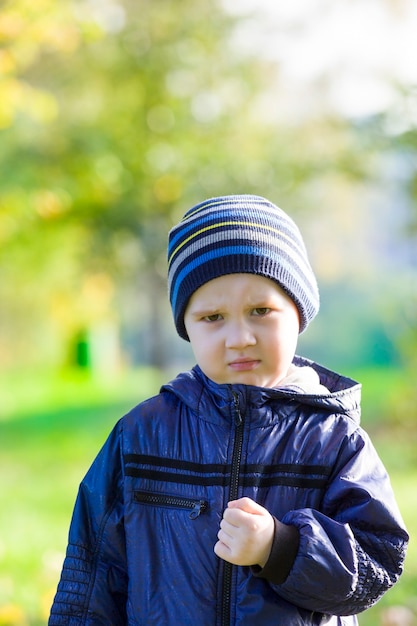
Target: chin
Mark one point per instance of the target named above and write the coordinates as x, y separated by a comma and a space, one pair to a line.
247, 380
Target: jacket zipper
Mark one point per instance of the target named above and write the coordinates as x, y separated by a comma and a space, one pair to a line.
196, 507
233, 495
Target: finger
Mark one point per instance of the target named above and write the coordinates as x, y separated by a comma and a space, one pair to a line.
224, 536
233, 518
222, 550
247, 505
229, 522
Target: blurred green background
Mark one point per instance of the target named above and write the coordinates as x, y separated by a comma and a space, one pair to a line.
115, 117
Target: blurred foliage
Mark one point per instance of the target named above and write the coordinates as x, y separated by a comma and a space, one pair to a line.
115, 116
53, 425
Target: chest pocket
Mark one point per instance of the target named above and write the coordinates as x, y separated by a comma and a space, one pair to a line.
193, 506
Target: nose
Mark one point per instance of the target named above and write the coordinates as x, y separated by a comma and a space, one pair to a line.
239, 335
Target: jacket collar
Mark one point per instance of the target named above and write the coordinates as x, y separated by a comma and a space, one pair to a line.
200, 393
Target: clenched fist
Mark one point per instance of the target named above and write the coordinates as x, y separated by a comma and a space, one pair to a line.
246, 533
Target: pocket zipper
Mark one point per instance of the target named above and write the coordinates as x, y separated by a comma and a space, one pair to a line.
196, 507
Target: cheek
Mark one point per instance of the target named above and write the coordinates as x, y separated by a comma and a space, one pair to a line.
202, 344
286, 340
291, 337
292, 326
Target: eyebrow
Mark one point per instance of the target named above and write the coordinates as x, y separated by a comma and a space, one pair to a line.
259, 303
204, 312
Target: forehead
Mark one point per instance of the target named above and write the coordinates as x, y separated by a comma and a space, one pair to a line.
248, 287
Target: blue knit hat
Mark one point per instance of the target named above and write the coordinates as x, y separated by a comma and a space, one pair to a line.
233, 235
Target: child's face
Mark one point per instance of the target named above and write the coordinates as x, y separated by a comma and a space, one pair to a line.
243, 328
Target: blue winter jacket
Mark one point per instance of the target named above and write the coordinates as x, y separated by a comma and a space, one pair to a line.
148, 511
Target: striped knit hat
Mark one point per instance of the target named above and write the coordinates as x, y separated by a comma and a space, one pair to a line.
238, 234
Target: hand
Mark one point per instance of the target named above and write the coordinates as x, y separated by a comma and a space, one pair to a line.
246, 533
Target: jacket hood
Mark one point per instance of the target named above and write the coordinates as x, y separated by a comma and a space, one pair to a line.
342, 395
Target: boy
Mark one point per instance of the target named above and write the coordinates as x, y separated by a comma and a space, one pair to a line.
245, 492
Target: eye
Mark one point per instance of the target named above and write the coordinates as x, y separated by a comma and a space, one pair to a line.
261, 311
214, 317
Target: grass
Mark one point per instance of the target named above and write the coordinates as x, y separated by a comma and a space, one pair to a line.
404, 482
51, 426
48, 438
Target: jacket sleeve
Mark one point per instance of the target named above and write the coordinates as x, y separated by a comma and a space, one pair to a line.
352, 550
93, 585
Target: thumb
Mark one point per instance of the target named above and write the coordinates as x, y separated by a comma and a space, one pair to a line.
247, 505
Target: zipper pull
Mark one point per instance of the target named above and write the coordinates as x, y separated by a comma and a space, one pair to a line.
238, 415
198, 507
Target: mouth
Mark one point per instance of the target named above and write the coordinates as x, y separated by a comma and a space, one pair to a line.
243, 364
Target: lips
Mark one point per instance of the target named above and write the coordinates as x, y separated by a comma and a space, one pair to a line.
243, 364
